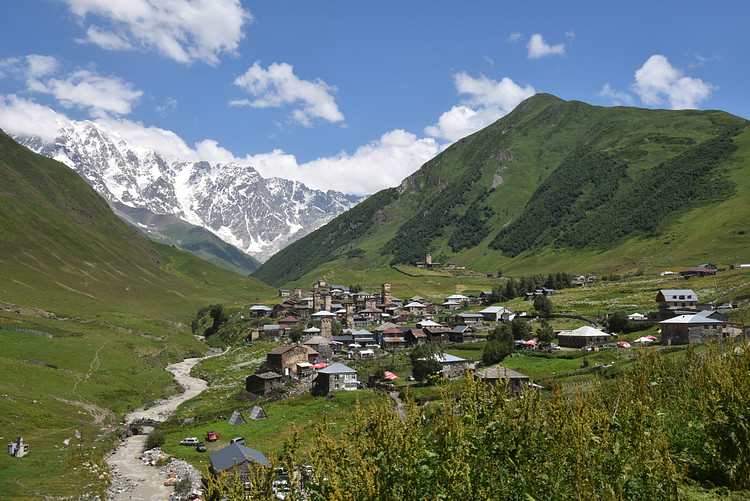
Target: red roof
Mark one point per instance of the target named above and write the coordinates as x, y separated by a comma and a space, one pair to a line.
289, 320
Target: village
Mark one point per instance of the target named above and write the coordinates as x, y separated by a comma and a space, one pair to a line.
329, 330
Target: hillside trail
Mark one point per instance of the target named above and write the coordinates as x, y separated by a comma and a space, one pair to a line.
133, 478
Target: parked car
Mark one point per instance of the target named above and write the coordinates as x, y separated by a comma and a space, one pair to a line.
201, 447
190, 441
237, 440
212, 436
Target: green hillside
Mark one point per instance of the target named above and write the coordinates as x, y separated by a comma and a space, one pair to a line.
172, 230
554, 185
90, 314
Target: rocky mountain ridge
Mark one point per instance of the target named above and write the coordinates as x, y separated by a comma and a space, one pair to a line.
258, 216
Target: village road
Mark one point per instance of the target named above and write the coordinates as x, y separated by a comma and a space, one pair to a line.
137, 480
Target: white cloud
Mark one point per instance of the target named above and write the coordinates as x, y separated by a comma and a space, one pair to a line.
169, 105
539, 48
24, 117
488, 101
183, 30
380, 164
41, 66
279, 86
515, 37
618, 98
657, 80
29, 67
87, 90
107, 40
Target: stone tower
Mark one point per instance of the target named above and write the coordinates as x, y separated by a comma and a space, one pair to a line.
325, 327
349, 316
428, 259
385, 295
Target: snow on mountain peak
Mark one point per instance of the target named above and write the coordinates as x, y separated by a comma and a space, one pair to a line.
259, 216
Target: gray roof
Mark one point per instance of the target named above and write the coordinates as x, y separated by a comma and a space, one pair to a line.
674, 293
448, 358
494, 309
585, 331
692, 319
226, 458
500, 372
267, 375
337, 368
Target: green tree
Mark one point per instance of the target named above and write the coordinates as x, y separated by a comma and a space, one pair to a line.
336, 328
617, 322
519, 328
499, 345
425, 360
543, 306
296, 333
544, 333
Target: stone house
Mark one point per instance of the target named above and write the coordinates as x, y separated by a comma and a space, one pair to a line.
285, 358
335, 377
693, 328
263, 382
517, 382
452, 366
462, 334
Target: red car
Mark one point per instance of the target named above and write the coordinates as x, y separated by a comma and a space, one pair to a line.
212, 436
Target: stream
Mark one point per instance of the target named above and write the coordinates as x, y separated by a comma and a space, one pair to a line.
133, 478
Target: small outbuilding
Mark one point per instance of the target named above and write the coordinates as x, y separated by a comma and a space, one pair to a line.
517, 382
236, 459
262, 383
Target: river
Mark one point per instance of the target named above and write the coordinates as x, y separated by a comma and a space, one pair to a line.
134, 479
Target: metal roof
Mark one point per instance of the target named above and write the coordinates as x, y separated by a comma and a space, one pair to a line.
224, 459
337, 368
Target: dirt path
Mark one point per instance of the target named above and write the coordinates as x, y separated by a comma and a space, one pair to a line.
134, 479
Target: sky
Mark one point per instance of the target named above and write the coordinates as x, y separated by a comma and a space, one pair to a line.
352, 96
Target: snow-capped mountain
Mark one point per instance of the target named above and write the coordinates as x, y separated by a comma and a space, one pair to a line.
259, 216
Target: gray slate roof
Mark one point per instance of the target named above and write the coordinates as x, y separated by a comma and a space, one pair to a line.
232, 454
337, 368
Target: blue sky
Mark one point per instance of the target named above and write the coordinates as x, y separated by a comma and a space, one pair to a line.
351, 96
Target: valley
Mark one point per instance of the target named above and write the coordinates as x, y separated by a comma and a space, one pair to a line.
92, 313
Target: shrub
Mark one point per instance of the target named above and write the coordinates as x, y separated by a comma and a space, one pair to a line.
155, 439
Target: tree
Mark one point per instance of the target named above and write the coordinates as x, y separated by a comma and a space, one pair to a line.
544, 333
499, 345
617, 321
219, 316
336, 328
543, 306
519, 328
425, 360
296, 333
